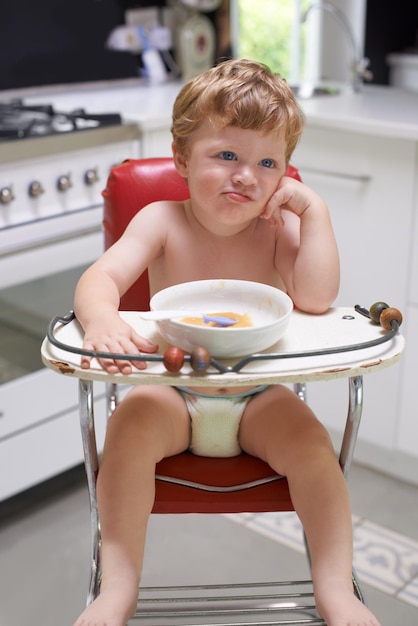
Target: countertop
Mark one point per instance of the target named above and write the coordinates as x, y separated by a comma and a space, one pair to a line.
376, 110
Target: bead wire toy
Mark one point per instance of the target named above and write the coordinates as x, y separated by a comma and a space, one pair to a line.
200, 359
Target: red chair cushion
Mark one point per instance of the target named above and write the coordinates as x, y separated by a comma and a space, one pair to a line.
236, 470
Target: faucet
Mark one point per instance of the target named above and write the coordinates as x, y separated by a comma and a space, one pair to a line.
359, 64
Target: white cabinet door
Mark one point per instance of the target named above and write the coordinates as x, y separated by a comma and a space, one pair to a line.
368, 185
408, 426
156, 143
46, 448
413, 280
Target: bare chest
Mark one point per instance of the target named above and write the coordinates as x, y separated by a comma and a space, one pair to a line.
192, 258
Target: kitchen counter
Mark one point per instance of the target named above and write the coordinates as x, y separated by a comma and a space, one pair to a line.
377, 110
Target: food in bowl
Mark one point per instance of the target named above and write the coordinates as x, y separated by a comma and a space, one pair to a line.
268, 308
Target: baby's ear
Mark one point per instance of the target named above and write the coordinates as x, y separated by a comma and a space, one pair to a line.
180, 161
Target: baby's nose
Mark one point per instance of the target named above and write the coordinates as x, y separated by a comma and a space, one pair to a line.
244, 175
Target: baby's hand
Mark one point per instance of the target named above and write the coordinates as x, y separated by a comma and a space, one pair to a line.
109, 333
291, 195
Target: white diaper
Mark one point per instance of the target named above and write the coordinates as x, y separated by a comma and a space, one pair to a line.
215, 421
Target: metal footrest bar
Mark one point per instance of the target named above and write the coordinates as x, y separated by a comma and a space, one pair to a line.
265, 604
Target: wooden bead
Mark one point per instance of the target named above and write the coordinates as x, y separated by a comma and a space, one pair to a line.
200, 359
173, 359
376, 311
388, 315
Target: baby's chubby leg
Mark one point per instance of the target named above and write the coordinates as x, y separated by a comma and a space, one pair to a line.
282, 430
149, 424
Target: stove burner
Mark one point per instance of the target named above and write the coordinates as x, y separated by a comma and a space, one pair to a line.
20, 121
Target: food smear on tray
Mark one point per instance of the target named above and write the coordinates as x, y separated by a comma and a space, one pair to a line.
242, 320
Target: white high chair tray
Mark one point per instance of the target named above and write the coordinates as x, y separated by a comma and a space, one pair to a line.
338, 327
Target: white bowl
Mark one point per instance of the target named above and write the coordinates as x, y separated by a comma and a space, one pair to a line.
268, 307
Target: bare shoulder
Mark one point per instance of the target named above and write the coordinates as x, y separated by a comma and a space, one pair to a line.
160, 208
163, 214
145, 239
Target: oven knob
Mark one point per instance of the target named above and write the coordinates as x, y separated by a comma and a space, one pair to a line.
91, 176
6, 195
64, 182
35, 189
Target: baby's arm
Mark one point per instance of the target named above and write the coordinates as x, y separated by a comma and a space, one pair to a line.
98, 291
96, 307
307, 255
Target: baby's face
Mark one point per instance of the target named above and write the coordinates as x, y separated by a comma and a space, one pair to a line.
232, 173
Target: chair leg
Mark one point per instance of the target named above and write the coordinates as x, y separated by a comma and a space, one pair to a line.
91, 462
300, 390
112, 398
358, 592
354, 413
355, 410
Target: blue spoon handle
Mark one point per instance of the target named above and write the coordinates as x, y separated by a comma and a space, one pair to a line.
219, 320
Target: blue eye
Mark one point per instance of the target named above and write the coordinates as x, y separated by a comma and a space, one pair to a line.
267, 162
227, 155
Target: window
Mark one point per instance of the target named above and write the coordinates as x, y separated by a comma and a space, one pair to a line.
270, 31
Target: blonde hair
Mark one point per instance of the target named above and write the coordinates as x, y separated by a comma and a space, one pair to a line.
241, 93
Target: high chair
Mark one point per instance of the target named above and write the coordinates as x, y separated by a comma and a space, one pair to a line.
191, 484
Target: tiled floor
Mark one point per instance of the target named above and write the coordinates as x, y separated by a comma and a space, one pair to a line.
44, 550
384, 559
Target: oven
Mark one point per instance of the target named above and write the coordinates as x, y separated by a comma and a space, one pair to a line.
53, 167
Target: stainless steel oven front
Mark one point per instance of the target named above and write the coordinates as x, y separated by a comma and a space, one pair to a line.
50, 230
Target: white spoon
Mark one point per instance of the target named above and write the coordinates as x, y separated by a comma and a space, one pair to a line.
169, 314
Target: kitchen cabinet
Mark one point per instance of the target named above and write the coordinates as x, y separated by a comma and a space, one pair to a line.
46, 240
407, 434
413, 275
369, 182
156, 143
44, 440
368, 185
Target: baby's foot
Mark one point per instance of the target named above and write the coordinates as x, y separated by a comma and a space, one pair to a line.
340, 608
113, 607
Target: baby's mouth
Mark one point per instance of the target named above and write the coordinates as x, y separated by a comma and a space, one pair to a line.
237, 196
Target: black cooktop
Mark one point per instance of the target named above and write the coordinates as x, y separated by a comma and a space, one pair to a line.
20, 121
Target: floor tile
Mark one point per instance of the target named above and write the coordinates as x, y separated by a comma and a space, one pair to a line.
410, 593
282, 527
384, 559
